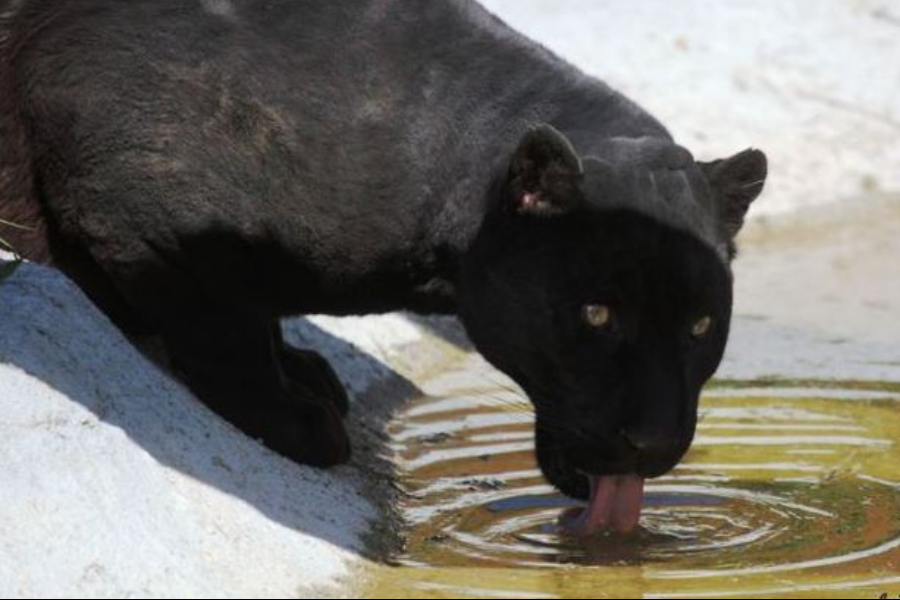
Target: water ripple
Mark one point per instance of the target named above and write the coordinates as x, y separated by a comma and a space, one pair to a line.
788, 492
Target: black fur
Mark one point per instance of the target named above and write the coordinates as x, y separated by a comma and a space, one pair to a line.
203, 168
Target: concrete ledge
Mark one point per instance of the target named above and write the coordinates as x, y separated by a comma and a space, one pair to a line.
116, 482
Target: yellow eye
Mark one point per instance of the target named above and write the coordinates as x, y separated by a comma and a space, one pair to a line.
702, 327
597, 316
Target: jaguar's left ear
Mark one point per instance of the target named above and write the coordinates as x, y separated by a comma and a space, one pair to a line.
544, 174
736, 182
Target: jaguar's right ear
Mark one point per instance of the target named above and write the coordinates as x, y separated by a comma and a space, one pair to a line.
545, 174
736, 182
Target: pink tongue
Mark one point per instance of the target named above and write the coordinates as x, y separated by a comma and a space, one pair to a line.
615, 504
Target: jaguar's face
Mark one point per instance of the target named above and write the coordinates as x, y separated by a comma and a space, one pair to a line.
610, 319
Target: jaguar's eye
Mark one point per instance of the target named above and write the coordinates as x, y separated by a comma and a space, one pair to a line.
702, 328
597, 316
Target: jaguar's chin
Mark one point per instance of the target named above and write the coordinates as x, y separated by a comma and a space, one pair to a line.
556, 469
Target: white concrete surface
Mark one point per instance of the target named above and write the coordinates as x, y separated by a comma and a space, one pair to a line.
115, 482
814, 83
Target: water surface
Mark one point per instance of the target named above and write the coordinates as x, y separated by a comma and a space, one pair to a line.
792, 489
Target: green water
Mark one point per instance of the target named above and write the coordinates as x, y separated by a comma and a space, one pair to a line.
791, 489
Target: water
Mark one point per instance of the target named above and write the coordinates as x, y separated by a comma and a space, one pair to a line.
791, 489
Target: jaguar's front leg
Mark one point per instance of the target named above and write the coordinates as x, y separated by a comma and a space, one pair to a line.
311, 369
232, 360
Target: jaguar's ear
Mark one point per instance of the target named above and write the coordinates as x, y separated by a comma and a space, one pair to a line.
544, 174
736, 182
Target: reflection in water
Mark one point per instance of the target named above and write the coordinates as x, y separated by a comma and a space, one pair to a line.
792, 488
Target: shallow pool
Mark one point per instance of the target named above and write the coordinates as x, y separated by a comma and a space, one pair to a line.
792, 488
